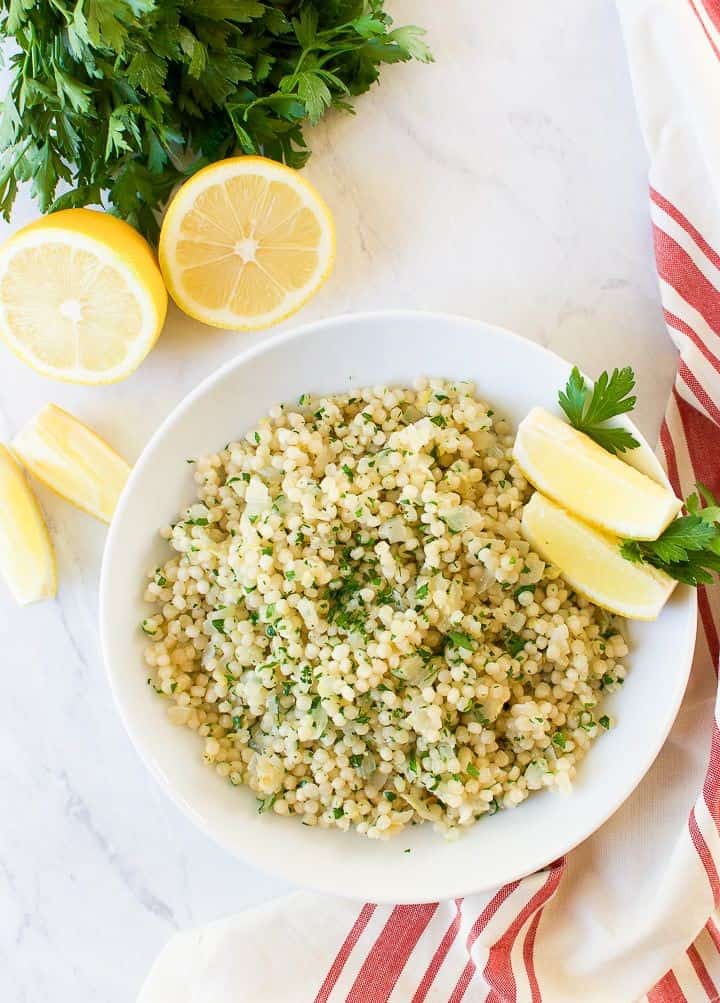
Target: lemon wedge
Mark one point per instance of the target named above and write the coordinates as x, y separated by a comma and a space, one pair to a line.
584, 478
81, 296
245, 242
73, 461
591, 562
27, 560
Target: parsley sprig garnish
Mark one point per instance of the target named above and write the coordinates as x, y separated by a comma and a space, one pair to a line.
689, 549
588, 410
121, 99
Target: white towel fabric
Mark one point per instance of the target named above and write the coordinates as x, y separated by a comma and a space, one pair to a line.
630, 914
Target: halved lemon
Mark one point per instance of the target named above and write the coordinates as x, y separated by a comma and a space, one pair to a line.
584, 478
590, 561
81, 296
27, 559
245, 242
73, 461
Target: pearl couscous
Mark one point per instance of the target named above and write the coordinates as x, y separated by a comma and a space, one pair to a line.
354, 626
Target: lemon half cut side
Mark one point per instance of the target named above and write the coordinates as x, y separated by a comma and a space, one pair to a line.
246, 242
81, 296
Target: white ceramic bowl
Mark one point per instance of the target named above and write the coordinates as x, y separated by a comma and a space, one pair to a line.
327, 357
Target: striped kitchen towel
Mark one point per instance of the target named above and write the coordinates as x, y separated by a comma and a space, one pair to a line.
631, 915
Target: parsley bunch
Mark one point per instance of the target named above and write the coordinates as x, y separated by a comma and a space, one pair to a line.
119, 100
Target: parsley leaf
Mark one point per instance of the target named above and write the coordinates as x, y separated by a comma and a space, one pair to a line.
588, 410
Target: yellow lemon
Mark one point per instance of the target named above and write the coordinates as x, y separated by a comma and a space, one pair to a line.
584, 478
27, 560
73, 461
81, 296
591, 562
245, 242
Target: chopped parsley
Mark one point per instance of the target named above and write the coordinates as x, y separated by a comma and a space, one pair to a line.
460, 640
513, 643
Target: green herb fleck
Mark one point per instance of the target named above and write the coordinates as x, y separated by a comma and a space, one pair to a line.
460, 640
513, 643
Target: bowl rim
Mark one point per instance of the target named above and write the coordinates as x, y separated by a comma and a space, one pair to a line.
282, 868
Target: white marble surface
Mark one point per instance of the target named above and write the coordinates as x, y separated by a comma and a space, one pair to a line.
506, 182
